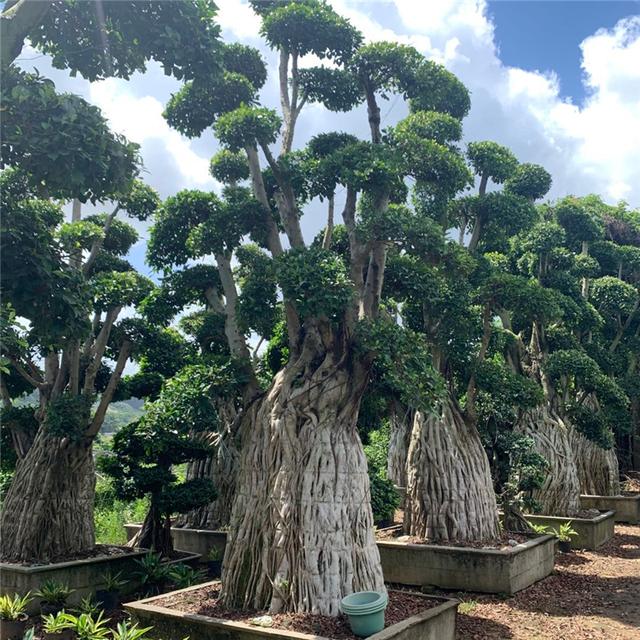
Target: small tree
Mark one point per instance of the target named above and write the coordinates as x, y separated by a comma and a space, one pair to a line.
146, 452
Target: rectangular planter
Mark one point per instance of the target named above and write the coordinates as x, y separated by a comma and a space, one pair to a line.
199, 541
627, 508
436, 623
85, 576
592, 532
485, 570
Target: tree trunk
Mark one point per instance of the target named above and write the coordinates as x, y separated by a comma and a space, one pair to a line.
222, 469
155, 533
48, 510
450, 494
597, 468
560, 494
400, 421
301, 533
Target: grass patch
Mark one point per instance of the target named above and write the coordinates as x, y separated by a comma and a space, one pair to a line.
111, 514
467, 607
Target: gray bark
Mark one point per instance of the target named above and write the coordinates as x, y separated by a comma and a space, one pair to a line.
450, 494
560, 494
301, 532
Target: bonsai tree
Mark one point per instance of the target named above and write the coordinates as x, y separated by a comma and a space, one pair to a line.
146, 452
301, 506
114, 39
556, 252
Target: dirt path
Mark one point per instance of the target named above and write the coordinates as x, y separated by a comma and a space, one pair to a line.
591, 594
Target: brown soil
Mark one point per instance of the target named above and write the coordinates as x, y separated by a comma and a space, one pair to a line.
591, 594
402, 605
393, 532
506, 540
98, 551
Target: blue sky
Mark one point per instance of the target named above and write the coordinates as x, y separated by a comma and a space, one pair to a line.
545, 35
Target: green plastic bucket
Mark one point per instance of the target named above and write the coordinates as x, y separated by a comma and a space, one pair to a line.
365, 610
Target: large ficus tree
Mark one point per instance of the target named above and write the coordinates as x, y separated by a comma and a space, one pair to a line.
570, 351
301, 534
64, 285
453, 294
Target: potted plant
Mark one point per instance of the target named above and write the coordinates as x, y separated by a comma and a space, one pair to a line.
53, 596
13, 617
125, 632
214, 562
564, 535
59, 626
88, 605
109, 597
88, 628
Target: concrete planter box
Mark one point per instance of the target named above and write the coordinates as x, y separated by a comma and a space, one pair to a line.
199, 541
85, 576
485, 570
592, 532
436, 623
626, 507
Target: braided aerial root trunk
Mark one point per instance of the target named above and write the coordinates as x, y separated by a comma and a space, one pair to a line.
400, 423
597, 468
450, 494
48, 511
560, 493
301, 534
221, 468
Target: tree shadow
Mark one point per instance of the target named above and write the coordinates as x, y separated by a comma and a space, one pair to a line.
470, 627
571, 559
568, 594
623, 545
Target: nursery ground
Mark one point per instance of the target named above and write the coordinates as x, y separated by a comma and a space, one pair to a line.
591, 594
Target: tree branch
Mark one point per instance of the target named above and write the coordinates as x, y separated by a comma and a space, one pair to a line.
107, 394
328, 232
259, 191
98, 242
4, 393
616, 340
16, 22
470, 410
373, 112
98, 350
375, 278
287, 205
235, 338
36, 384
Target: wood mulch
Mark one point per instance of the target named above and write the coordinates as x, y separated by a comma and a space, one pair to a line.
591, 594
205, 602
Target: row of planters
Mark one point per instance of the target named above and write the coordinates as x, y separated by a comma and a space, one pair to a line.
58, 619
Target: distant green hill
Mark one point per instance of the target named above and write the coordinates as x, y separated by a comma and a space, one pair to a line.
118, 413
121, 413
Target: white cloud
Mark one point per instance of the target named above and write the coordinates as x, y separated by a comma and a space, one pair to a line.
590, 148
238, 18
140, 120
